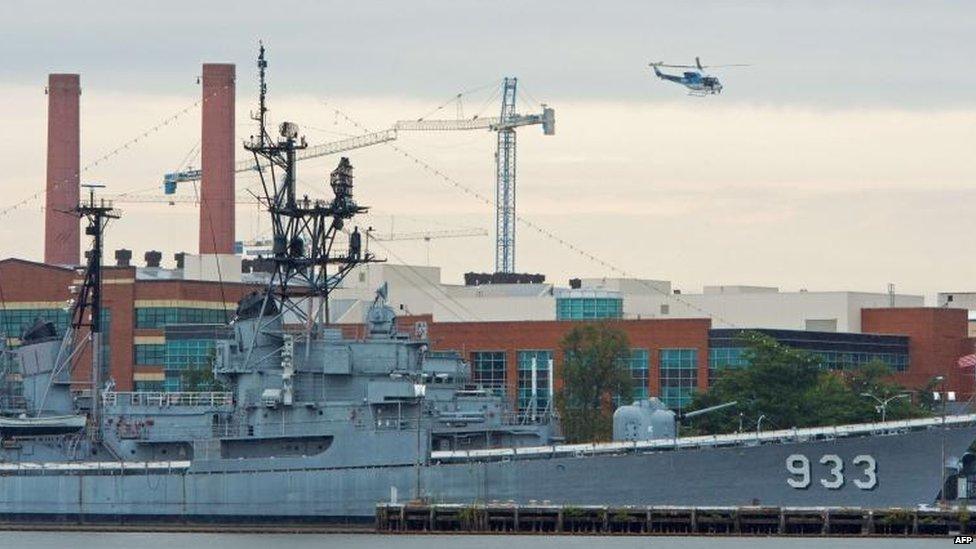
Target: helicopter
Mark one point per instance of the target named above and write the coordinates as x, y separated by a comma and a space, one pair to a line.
697, 82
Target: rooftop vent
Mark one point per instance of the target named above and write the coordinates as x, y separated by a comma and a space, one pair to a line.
123, 257
478, 279
153, 258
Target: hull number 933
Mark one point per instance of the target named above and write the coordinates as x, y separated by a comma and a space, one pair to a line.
866, 475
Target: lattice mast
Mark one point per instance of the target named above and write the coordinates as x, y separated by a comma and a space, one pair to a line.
307, 265
505, 182
89, 300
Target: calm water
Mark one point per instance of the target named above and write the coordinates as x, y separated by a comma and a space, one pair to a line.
57, 540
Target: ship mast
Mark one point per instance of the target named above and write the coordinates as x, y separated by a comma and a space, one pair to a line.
307, 265
98, 214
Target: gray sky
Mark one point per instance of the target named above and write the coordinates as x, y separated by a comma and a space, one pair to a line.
840, 160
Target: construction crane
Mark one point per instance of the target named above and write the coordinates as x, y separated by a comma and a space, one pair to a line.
504, 125
171, 180
426, 236
169, 199
258, 247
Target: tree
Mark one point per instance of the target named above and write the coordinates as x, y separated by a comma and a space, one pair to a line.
594, 372
201, 378
787, 387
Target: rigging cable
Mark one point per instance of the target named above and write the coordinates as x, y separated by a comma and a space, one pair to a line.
114, 152
536, 227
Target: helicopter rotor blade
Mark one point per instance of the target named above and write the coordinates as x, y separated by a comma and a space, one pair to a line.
730, 65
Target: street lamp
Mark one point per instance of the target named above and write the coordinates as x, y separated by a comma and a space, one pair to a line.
759, 424
882, 406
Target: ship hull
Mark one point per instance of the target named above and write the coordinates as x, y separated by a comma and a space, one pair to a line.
907, 467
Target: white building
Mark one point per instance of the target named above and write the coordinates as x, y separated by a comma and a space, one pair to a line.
419, 290
752, 306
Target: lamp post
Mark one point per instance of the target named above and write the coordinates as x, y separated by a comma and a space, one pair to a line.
882, 406
759, 425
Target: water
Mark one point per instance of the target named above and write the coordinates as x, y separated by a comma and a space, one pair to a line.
87, 540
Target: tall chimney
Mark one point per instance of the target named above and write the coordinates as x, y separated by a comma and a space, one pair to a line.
217, 160
62, 239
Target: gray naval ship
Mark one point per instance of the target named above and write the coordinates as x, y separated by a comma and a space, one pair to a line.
314, 426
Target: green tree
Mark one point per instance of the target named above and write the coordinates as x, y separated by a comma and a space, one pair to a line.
201, 378
787, 388
594, 371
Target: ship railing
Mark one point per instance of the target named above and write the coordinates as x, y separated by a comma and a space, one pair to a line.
12, 402
184, 398
705, 441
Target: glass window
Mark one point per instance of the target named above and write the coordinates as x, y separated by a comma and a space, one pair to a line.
525, 361
158, 317
13, 322
182, 354
721, 358
679, 376
639, 365
588, 308
151, 354
488, 369
149, 386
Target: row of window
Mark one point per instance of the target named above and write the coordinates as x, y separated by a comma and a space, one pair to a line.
589, 308
841, 360
158, 317
721, 358
13, 322
678, 375
183, 354
150, 354
149, 386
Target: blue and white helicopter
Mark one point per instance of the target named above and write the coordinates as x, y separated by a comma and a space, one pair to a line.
697, 82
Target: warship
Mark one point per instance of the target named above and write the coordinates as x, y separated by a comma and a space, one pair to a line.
309, 425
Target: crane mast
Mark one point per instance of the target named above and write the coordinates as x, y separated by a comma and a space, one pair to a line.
505, 160
505, 182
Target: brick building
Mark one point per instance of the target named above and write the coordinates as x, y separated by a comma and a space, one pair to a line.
136, 311
157, 324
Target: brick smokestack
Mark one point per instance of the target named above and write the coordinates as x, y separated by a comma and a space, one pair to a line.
62, 239
217, 160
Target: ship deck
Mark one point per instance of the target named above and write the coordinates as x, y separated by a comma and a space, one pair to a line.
707, 441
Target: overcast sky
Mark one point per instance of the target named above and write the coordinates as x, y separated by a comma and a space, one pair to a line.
842, 159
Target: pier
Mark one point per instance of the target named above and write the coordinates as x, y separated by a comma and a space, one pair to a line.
507, 518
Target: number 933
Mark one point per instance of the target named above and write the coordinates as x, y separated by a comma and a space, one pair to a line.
798, 465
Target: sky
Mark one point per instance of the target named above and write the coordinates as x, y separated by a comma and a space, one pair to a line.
841, 159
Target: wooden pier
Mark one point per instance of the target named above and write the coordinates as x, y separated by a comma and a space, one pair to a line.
507, 518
